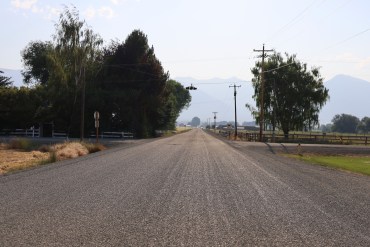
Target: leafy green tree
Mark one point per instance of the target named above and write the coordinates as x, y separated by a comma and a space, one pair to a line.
293, 94
176, 99
364, 125
125, 81
326, 127
195, 122
5, 81
345, 123
63, 67
17, 107
183, 97
35, 62
71, 60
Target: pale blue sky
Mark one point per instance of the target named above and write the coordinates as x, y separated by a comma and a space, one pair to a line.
209, 38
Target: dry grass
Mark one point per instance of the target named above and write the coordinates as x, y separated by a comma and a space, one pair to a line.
12, 160
69, 150
93, 148
13, 157
20, 144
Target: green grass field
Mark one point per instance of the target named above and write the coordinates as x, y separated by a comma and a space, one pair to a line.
356, 164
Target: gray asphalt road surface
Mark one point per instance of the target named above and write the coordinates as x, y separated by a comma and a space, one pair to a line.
187, 190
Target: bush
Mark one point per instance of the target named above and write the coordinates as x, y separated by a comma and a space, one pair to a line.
93, 148
52, 158
21, 144
44, 148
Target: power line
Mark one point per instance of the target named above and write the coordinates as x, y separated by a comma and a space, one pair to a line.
318, 22
348, 39
121, 65
217, 83
333, 61
286, 65
291, 22
207, 59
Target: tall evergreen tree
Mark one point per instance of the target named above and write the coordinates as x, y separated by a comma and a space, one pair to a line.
136, 82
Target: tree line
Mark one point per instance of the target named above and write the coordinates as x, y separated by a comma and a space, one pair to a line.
347, 123
74, 75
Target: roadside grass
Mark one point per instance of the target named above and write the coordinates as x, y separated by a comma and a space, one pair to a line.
20, 154
21, 144
357, 164
15, 160
93, 147
180, 129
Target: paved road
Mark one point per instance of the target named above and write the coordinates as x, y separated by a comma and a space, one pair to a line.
188, 190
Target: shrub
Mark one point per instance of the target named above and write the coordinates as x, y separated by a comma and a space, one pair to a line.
93, 148
69, 150
21, 144
44, 148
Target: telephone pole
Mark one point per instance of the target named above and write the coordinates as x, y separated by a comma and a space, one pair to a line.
236, 126
262, 89
215, 117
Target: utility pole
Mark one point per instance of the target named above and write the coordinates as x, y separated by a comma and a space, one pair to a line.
82, 126
262, 89
236, 126
215, 117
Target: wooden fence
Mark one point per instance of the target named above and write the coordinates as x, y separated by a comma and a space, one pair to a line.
35, 132
31, 132
106, 134
304, 137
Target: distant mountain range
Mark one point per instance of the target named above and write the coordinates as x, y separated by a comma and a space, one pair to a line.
216, 95
347, 95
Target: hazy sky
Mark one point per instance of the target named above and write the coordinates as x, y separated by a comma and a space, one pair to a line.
209, 38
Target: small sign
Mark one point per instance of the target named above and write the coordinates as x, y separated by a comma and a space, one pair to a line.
96, 115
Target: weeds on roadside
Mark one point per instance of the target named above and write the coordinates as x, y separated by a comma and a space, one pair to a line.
45, 148
52, 158
93, 147
21, 144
